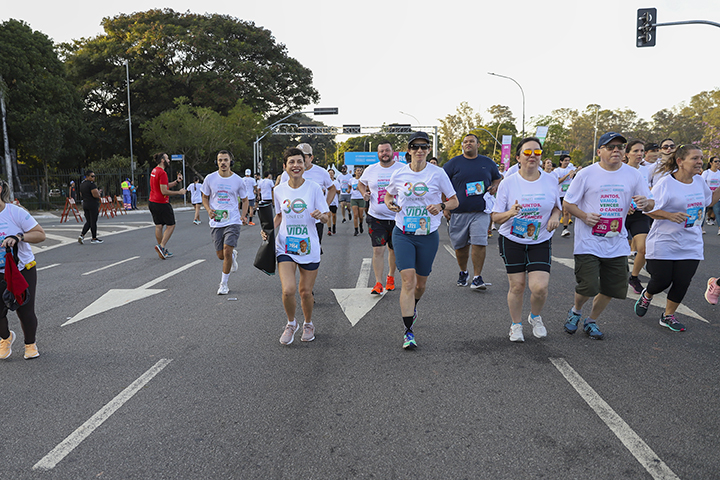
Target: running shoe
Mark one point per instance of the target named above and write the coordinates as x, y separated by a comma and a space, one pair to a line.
234, 267
251, 223
356, 233
539, 329
289, 334
334, 231
344, 220
167, 253
712, 291
478, 284
223, 290
160, 251
308, 334
462, 279
571, 324
565, 233
409, 342
670, 322
377, 289
96, 240
592, 331
390, 283
634, 282
516, 333
329, 232
6, 346
81, 240
642, 304
31, 351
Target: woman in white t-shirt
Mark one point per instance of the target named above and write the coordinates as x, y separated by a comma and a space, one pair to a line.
357, 200
636, 222
17, 230
528, 211
298, 203
415, 195
195, 190
712, 178
675, 241
333, 205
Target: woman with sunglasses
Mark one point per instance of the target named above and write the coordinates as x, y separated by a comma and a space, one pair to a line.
675, 241
528, 211
415, 194
712, 178
636, 222
667, 148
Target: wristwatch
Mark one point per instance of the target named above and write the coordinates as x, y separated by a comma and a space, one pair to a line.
442, 206
21, 236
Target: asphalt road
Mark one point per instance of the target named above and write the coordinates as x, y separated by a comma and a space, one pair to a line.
183, 383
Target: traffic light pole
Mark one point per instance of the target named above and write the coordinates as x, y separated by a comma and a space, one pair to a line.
646, 27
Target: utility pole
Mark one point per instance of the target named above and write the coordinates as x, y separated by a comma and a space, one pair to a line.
6, 141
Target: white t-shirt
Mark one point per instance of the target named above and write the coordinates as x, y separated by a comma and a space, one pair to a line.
355, 193
266, 187
609, 194
224, 195
14, 220
377, 178
655, 174
514, 169
561, 172
712, 179
668, 240
414, 191
297, 235
315, 174
335, 199
250, 185
344, 183
538, 199
195, 190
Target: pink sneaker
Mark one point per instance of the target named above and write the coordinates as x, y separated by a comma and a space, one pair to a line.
289, 333
713, 291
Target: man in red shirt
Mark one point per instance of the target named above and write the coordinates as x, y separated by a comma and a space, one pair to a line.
160, 208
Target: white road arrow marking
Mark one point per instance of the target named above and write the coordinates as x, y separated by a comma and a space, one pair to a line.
118, 297
357, 302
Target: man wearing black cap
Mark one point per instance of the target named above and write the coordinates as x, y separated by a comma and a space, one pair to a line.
600, 197
472, 176
652, 154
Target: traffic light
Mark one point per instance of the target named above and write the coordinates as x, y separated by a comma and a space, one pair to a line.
646, 20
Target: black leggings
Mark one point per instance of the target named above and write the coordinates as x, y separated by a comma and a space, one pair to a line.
91, 218
664, 273
26, 313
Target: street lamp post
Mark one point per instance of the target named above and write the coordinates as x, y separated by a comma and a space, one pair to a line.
132, 161
413, 116
597, 109
523, 97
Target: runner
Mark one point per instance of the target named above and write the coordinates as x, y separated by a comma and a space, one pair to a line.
333, 205
345, 189
636, 222
667, 148
195, 190
251, 189
266, 187
357, 200
548, 166
675, 241
298, 203
712, 178
91, 207
18, 229
222, 191
159, 204
381, 221
565, 174
600, 197
415, 193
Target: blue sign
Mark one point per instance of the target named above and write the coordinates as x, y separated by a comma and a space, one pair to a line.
176, 158
368, 158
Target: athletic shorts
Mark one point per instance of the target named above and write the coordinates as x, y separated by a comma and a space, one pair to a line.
638, 223
227, 235
608, 276
345, 197
251, 202
357, 202
468, 229
333, 209
162, 213
415, 251
304, 266
520, 257
380, 231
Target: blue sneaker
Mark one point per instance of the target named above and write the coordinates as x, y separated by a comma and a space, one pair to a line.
409, 341
642, 304
592, 331
462, 279
572, 321
478, 283
167, 253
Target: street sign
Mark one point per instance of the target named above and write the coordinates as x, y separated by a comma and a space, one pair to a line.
325, 111
176, 158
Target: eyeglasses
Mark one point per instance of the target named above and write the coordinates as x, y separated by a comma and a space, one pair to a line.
667, 147
421, 146
537, 152
617, 146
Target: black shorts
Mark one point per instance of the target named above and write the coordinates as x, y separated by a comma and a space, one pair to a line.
638, 223
162, 213
520, 257
380, 231
333, 209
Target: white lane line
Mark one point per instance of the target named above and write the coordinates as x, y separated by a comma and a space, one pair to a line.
48, 266
639, 449
67, 241
168, 275
109, 266
56, 455
450, 250
362, 281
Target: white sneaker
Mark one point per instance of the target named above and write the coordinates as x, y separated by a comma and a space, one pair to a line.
234, 267
223, 290
516, 333
565, 232
539, 329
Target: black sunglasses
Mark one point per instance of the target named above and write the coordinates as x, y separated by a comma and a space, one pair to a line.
422, 146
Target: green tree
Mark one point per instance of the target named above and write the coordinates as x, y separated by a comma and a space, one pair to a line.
456, 125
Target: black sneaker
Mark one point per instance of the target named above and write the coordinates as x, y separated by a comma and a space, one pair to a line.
334, 232
361, 228
634, 282
670, 322
356, 233
463, 279
642, 304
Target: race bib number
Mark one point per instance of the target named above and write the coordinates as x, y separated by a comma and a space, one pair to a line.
416, 225
474, 188
297, 241
564, 187
221, 215
695, 217
608, 227
2, 255
525, 228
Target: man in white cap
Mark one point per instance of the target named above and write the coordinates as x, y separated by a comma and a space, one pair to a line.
251, 189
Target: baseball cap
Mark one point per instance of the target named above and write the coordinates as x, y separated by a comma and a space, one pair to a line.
608, 137
247, 171
651, 146
418, 136
305, 148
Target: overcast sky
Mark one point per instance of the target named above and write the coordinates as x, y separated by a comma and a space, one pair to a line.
373, 59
